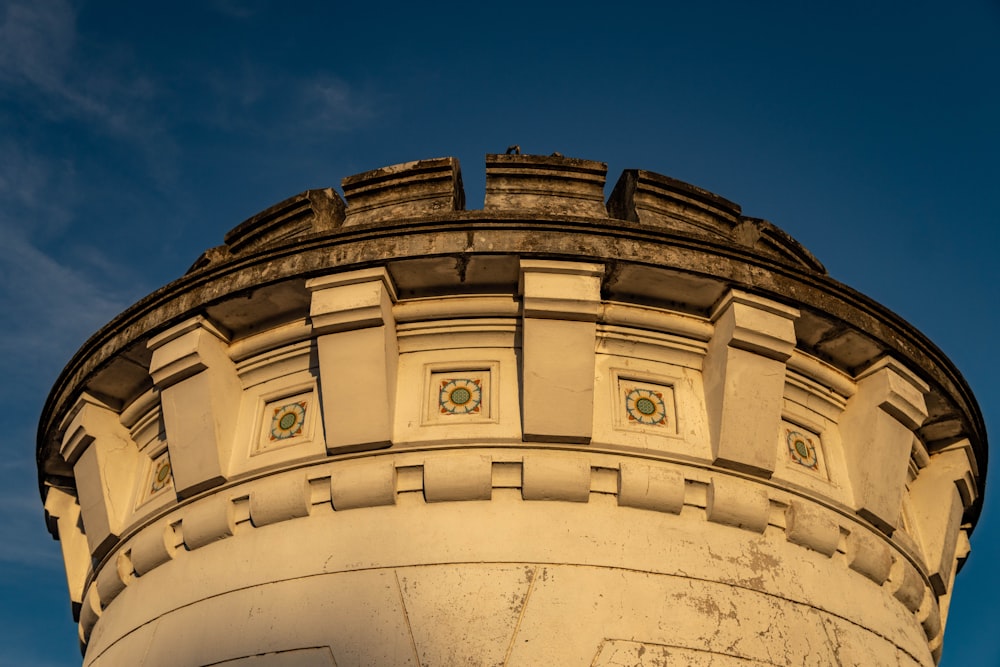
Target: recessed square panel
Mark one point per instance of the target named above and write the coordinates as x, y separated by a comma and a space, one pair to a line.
286, 421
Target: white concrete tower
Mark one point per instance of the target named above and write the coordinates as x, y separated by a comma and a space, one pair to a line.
554, 431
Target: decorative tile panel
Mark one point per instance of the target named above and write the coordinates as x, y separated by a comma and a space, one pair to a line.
459, 395
646, 406
286, 421
158, 479
802, 449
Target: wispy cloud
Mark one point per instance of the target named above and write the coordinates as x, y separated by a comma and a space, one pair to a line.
102, 85
35, 44
331, 103
21, 514
50, 304
30, 545
51, 309
42, 65
262, 101
39, 190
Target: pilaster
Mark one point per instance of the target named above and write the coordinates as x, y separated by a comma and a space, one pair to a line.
104, 461
877, 431
561, 301
744, 375
199, 398
358, 356
939, 496
63, 509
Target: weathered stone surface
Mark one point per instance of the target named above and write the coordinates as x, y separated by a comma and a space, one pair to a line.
660, 201
403, 433
312, 212
408, 190
878, 431
545, 184
744, 373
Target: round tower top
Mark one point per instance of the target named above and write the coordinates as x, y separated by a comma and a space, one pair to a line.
663, 244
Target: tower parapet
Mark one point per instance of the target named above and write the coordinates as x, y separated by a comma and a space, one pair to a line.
551, 431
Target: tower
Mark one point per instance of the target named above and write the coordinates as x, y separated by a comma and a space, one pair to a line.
556, 430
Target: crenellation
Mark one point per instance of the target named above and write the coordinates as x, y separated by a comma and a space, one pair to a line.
555, 477
90, 612
930, 617
113, 577
280, 498
812, 527
407, 190
310, 212
545, 184
804, 524
660, 201
656, 488
909, 584
461, 477
365, 484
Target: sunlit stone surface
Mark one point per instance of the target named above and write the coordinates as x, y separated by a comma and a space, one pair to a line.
554, 431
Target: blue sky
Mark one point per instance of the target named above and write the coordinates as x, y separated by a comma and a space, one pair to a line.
134, 135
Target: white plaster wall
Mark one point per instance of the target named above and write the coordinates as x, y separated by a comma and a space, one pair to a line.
504, 581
